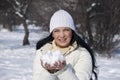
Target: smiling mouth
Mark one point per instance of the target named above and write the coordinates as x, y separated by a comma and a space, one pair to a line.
62, 40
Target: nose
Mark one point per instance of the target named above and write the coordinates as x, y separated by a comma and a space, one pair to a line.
61, 34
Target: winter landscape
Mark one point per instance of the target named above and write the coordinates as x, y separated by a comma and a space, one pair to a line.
16, 61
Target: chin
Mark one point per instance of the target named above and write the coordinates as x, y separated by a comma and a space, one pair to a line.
63, 46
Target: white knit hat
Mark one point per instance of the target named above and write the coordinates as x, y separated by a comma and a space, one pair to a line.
61, 18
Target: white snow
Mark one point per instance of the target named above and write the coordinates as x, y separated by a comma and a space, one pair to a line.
52, 57
93, 4
19, 14
109, 69
16, 61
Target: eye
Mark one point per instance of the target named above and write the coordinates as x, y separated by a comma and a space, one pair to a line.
56, 30
67, 29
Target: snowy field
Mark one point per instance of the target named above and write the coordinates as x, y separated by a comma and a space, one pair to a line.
16, 60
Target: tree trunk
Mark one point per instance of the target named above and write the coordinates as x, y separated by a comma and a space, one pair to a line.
90, 41
25, 40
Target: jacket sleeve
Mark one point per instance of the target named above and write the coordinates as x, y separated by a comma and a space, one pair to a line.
82, 70
83, 67
38, 71
67, 74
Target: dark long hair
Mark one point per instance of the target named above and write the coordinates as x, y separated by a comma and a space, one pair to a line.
79, 41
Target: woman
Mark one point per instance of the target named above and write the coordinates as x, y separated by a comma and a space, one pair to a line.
79, 63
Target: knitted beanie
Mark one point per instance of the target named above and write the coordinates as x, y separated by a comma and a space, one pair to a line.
61, 18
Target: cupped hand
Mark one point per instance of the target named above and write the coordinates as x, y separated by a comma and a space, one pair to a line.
58, 65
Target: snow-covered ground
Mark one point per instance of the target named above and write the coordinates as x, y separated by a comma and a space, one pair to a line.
16, 60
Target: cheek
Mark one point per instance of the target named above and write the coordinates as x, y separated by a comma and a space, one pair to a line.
54, 36
69, 35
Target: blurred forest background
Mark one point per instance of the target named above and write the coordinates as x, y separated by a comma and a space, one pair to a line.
97, 21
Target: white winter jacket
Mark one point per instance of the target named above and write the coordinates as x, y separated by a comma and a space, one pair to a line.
79, 65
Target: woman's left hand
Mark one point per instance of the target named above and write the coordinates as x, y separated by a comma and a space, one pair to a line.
59, 65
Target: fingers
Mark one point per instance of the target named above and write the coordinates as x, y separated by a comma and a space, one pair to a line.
58, 65
45, 65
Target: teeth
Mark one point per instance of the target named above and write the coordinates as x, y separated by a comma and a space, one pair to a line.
62, 40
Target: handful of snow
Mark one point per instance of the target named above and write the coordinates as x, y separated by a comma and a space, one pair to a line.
51, 58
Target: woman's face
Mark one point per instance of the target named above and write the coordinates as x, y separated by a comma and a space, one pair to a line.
62, 36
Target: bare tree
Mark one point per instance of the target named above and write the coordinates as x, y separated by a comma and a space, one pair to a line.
20, 8
102, 25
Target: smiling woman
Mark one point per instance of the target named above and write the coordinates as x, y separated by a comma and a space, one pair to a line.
78, 62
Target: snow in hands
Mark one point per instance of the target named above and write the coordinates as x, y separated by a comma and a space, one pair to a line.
52, 57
